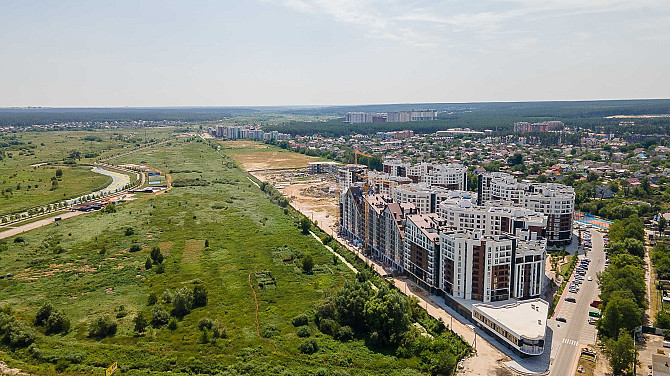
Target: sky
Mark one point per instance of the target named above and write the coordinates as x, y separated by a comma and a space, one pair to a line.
330, 52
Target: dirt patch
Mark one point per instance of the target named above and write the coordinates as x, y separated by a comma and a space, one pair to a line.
165, 247
192, 250
256, 156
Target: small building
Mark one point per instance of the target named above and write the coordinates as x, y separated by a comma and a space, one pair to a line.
520, 325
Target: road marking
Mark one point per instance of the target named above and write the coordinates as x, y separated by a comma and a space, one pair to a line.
570, 342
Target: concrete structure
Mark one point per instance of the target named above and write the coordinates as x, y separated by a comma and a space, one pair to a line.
246, 132
521, 325
331, 168
422, 249
425, 197
392, 117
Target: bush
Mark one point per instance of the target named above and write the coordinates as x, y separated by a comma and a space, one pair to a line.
140, 323
172, 325
199, 296
182, 302
129, 231
300, 320
148, 264
307, 264
345, 333
155, 252
328, 326
205, 323
135, 248
160, 269
57, 323
309, 346
268, 331
662, 320
102, 327
303, 332
159, 316
152, 299
43, 314
167, 296
19, 334
218, 331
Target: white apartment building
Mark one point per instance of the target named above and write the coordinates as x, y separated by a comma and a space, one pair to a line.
452, 176
556, 201
426, 198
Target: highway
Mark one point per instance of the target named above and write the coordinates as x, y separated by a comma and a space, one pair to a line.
570, 337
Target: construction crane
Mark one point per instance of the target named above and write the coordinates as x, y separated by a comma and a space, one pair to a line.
357, 152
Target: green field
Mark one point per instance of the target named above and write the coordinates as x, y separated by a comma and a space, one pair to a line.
29, 160
85, 267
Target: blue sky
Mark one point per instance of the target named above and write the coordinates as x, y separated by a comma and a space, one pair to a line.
309, 52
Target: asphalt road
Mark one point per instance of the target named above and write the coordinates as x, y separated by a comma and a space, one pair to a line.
570, 337
33, 225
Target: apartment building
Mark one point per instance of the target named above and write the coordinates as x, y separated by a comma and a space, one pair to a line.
348, 175
452, 176
556, 201
422, 249
315, 168
425, 197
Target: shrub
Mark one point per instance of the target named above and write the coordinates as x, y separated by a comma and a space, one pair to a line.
152, 299
135, 248
269, 331
303, 332
307, 264
199, 296
167, 296
129, 231
19, 239
218, 331
300, 320
102, 327
662, 320
205, 323
19, 334
160, 269
183, 302
155, 252
57, 323
345, 333
159, 316
172, 325
328, 326
148, 264
308, 346
43, 314
140, 323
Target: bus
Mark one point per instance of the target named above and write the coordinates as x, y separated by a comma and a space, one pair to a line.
594, 313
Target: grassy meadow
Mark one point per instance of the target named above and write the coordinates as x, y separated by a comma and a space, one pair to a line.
29, 160
92, 266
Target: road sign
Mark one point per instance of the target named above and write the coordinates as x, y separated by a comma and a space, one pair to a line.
109, 371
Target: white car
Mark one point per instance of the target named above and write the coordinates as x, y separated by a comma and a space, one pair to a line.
590, 278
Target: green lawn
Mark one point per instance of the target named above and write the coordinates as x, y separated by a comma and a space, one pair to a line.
84, 267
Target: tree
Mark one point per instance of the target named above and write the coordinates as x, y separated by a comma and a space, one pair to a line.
388, 315
305, 225
140, 323
159, 316
621, 353
199, 296
621, 312
629, 278
206, 243
307, 264
182, 302
155, 252
102, 327
148, 264
662, 223
515, 159
59, 173
350, 304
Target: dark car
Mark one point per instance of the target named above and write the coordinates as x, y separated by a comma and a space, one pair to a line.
561, 319
571, 300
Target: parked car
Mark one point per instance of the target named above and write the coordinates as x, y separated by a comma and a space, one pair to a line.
571, 300
561, 319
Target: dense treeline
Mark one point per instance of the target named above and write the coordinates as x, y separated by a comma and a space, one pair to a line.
41, 116
622, 292
493, 116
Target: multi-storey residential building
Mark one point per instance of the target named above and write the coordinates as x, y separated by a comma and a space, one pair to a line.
350, 174
556, 201
491, 267
426, 198
544, 126
452, 176
314, 168
464, 214
422, 249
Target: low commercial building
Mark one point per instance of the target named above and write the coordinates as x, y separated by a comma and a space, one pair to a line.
520, 325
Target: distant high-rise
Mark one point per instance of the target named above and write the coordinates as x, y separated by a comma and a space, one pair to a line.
390, 117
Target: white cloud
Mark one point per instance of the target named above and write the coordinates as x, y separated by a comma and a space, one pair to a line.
425, 23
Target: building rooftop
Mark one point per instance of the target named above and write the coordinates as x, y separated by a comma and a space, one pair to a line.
660, 365
527, 318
